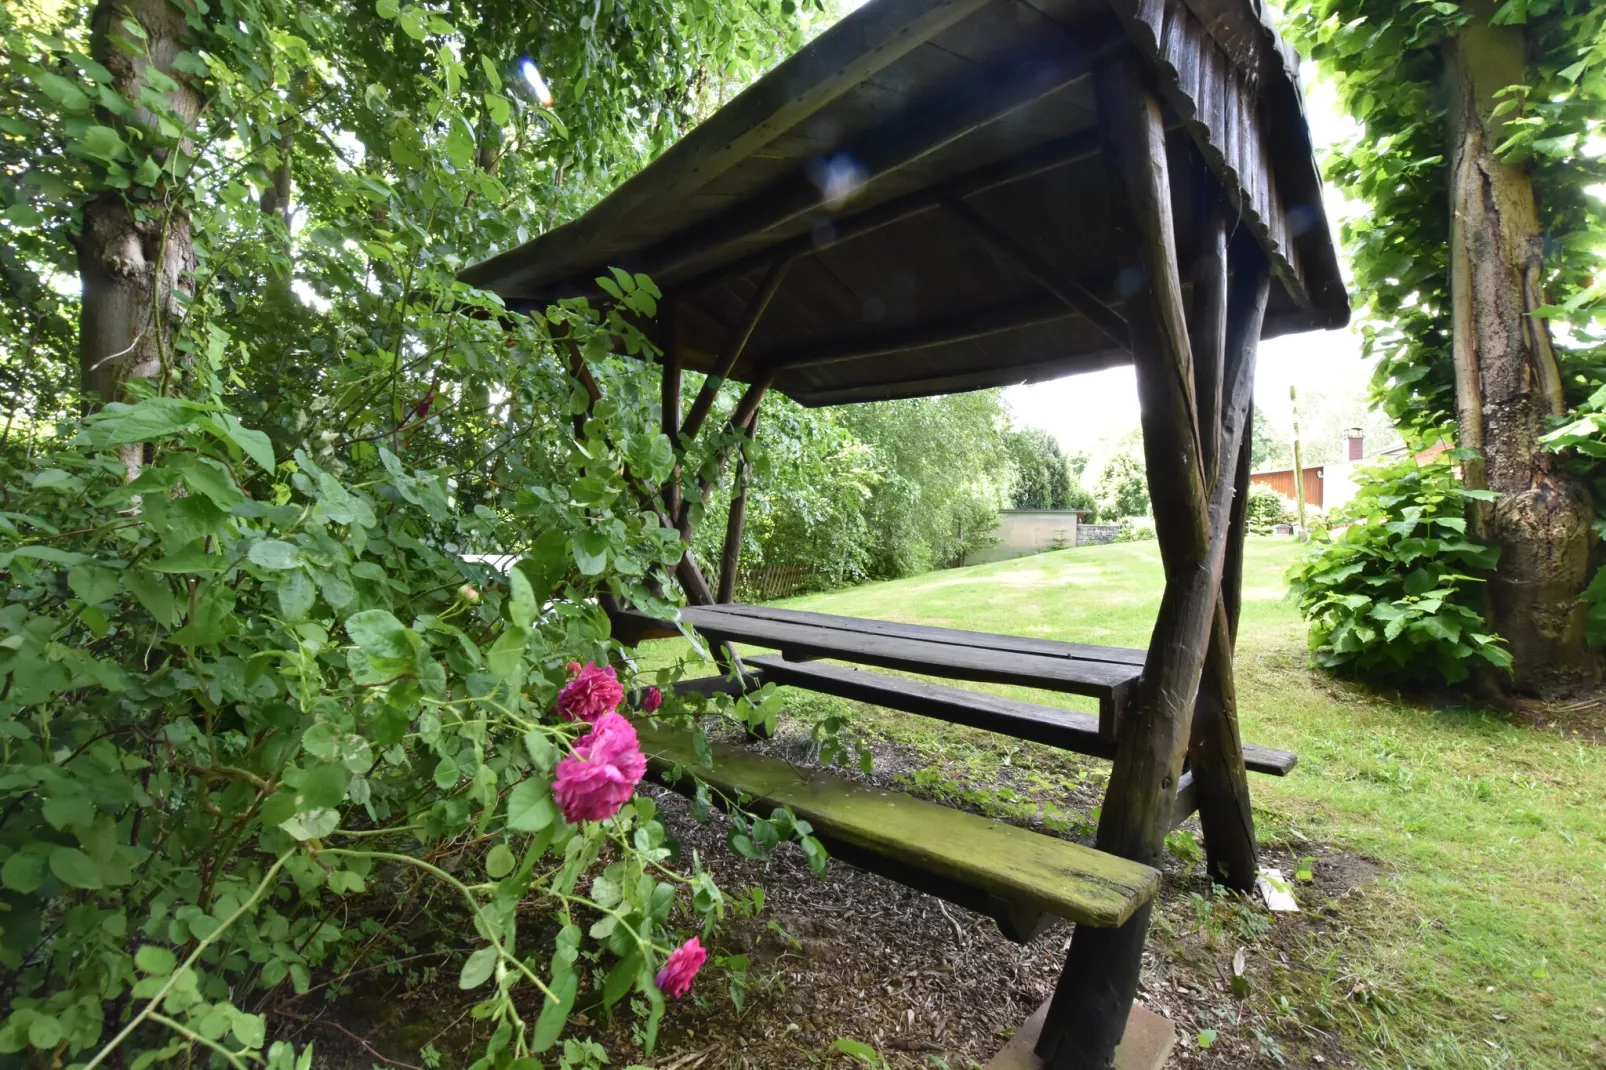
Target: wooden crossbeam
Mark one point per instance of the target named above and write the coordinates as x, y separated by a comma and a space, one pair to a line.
703, 404
1068, 291
963, 327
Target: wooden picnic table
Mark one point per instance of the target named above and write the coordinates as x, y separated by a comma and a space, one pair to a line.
1108, 674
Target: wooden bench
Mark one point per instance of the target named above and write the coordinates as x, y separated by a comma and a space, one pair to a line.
1049, 725
1016, 876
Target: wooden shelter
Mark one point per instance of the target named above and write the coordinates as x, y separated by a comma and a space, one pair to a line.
946, 195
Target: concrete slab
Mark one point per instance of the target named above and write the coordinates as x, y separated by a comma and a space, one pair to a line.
1149, 1038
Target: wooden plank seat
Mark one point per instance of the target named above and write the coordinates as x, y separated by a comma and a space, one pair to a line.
946, 653
1014, 875
1049, 725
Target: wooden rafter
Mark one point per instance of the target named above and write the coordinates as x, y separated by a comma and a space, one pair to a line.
982, 97
703, 404
1069, 292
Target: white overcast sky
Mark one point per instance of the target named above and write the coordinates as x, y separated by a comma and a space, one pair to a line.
1086, 412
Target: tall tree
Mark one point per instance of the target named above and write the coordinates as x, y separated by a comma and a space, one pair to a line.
1473, 160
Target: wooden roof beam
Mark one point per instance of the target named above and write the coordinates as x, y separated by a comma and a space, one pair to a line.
1049, 156
962, 328
987, 95
1072, 293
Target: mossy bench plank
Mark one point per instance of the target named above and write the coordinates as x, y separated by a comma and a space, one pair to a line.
1014, 865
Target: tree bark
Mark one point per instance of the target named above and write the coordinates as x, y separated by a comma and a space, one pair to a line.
132, 262
1507, 378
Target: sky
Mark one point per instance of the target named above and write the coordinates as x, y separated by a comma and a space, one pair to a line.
1089, 412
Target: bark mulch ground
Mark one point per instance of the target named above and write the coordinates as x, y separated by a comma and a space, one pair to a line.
925, 983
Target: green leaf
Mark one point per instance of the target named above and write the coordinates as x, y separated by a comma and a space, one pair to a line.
254, 444
522, 606
74, 868
530, 807
24, 216
447, 774
857, 1049
477, 969
296, 595
155, 960
250, 1029
101, 142
590, 552
279, 555
23, 872
499, 862
459, 142
388, 9
379, 634
42, 553
92, 583
313, 824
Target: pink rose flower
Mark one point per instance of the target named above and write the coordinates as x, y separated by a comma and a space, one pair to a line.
674, 980
601, 773
651, 699
591, 694
573, 667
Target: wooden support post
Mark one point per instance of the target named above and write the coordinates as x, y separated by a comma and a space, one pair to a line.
1089, 1010
1208, 332
731, 557
669, 404
703, 403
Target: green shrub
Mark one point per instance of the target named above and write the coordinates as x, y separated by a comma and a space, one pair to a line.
1135, 529
1392, 597
249, 700
1267, 509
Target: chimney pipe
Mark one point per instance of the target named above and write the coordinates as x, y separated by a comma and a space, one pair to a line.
1354, 444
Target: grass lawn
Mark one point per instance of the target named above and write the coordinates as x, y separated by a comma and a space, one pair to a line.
1478, 941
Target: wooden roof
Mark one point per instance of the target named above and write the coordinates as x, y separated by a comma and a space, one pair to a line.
928, 176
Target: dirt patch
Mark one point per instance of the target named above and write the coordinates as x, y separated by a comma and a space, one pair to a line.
926, 983
1582, 718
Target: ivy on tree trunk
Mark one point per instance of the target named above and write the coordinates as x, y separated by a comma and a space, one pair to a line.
1508, 381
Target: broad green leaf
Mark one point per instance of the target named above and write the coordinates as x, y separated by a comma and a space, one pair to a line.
477, 969
23, 872
530, 807
155, 960
92, 583
296, 595
254, 444
499, 862
279, 555
379, 634
74, 868
313, 824
590, 552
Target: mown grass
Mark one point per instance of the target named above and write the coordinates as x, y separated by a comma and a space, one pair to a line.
1480, 942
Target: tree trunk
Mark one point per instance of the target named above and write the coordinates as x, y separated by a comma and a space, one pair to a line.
131, 262
1507, 377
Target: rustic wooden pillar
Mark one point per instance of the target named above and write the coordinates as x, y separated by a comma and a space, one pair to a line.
1088, 1013
731, 557
1207, 333
669, 405
1215, 747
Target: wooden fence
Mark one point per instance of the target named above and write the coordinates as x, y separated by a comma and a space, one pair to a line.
768, 582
